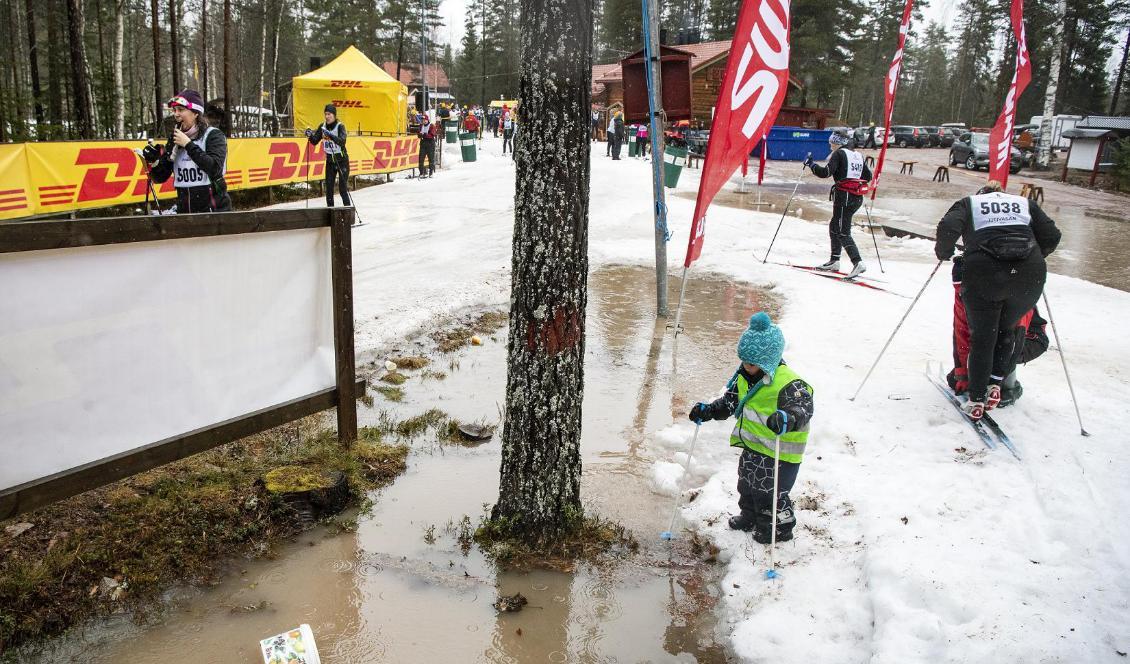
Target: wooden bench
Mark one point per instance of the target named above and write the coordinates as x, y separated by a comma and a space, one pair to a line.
693, 159
943, 173
1032, 192
908, 167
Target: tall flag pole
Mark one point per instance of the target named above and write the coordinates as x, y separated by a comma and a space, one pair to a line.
1000, 140
756, 80
889, 102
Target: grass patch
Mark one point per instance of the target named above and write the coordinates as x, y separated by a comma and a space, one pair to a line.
175, 524
459, 336
391, 393
411, 362
433, 418
394, 378
433, 375
585, 539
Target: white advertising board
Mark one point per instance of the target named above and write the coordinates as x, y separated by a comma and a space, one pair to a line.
109, 348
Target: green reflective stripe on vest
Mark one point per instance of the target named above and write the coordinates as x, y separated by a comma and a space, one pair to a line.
750, 431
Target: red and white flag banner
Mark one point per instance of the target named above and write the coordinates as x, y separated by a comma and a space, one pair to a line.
756, 80
761, 160
891, 88
1000, 140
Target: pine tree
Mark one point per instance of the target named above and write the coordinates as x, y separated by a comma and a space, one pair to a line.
620, 29
467, 79
539, 499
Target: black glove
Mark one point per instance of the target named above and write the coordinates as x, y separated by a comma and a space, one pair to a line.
778, 422
808, 161
698, 413
309, 132
151, 153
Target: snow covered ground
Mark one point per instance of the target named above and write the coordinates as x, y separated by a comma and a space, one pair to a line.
914, 544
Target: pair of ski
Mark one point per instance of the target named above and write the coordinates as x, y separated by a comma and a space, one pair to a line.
986, 428
860, 280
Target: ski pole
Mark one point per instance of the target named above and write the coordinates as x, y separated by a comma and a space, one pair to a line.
771, 573
873, 240
783, 213
669, 533
306, 154
903, 320
150, 190
1063, 359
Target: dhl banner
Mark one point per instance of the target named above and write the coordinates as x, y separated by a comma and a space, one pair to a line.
47, 178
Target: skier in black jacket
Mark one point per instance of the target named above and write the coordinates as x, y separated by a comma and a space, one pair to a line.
1006, 238
195, 156
332, 134
851, 175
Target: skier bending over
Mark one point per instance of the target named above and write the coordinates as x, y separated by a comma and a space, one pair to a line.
851, 175
1006, 238
1030, 340
769, 401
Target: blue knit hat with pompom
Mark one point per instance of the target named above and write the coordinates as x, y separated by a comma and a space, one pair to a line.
762, 344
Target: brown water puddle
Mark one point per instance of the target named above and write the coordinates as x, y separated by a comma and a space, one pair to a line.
401, 588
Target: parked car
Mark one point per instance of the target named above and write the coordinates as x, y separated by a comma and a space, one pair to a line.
906, 136
947, 135
972, 149
933, 136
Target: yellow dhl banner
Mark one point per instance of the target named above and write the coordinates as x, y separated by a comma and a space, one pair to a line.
46, 178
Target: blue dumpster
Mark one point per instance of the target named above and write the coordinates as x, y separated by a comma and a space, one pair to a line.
795, 143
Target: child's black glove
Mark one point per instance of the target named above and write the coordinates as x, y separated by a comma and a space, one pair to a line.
698, 413
778, 422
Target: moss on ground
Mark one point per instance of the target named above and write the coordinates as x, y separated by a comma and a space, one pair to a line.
411, 362
391, 393
583, 538
394, 378
175, 524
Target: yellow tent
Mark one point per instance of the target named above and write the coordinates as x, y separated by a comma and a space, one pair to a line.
509, 103
367, 98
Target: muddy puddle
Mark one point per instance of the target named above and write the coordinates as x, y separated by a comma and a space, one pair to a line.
405, 587
1094, 246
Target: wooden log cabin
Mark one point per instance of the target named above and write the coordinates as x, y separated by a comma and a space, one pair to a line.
708, 68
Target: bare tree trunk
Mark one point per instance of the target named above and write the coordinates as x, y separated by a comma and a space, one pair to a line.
1114, 95
205, 45
83, 111
157, 98
119, 91
55, 74
540, 490
275, 64
1044, 155
174, 47
227, 69
262, 70
33, 61
18, 116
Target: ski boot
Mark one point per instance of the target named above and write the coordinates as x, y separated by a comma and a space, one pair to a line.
974, 409
856, 270
1010, 395
762, 533
992, 397
743, 521
831, 266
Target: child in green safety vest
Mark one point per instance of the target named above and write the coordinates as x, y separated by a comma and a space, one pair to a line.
770, 401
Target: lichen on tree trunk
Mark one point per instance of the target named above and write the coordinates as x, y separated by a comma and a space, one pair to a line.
540, 487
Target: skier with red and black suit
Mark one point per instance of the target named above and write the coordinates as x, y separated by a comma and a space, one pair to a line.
427, 134
773, 405
1030, 342
195, 156
851, 176
1006, 239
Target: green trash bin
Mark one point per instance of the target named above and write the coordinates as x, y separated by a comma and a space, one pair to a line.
467, 145
633, 145
452, 128
674, 158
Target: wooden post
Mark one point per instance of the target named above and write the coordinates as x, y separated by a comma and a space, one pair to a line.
341, 261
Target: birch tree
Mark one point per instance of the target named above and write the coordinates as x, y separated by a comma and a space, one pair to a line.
540, 490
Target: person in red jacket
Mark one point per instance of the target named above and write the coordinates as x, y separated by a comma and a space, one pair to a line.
471, 124
1030, 340
428, 135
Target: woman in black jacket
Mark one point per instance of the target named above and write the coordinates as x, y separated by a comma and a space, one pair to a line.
1006, 238
332, 133
195, 156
